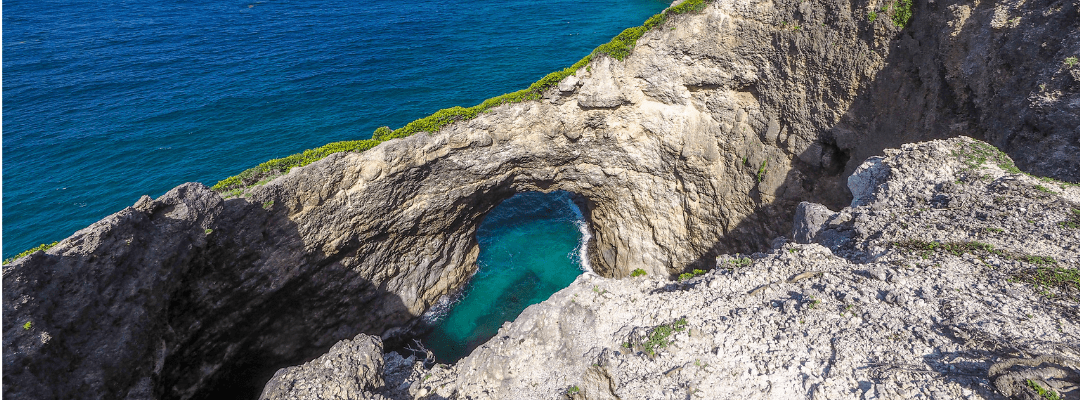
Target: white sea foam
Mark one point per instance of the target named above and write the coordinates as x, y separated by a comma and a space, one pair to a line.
444, 304
582, 249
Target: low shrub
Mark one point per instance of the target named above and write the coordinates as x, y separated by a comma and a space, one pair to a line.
41, 247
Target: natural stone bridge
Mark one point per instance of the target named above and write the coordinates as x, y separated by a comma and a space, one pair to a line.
700, 142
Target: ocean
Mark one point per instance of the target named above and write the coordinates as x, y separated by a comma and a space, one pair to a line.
106, 102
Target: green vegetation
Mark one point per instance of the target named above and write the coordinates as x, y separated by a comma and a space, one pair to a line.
637, 272
208, 231
1043, 392
954, 248
1044, 189
736, 263
1073, 222
687, 275
1045, 275
1039, 260
901, 12
658, 336
26, 326
975, 154
283, 165
267, 205
813, 303
1071, 62
618, 48
41, 247
761, 170
570, 391
1061, 278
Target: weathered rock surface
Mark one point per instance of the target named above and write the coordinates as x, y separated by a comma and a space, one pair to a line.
702, 141
350, 370
870, 317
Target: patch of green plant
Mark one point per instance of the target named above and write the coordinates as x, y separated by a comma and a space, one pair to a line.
995, 230
658, 337
267, 205
954, 248
208, 231
974, 154
737, 262
41, 247
689, 6
1043, 392
1073, 222
573, 390
1044, 189
761, 170
901, 13
813, 303
283, 165
1039, 260
637, 272
1071, 61
687, 275
872, 16
264, 181
26, 326
1064, 279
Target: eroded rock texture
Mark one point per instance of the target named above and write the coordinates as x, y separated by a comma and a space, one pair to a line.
923, 290
702, 141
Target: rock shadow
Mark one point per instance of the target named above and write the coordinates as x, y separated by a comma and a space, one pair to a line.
185, 297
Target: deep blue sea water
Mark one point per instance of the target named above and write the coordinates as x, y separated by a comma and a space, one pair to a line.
106, 101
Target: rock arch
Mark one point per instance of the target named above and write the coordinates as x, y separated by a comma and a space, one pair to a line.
699, 142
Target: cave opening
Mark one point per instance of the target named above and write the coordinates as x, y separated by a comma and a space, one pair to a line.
531, 246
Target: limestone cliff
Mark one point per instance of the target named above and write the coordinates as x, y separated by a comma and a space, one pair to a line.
701, 141
922, 288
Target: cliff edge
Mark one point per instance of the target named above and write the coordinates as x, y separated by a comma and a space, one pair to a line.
701, 141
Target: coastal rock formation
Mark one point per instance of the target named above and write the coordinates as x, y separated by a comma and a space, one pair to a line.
702, 141
927, 288
350, 370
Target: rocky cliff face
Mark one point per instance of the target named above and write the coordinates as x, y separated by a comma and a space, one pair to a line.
923, 287
701, 142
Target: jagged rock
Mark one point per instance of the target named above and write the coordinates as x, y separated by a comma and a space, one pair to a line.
810, 218
700, 142
802, 322
351, 370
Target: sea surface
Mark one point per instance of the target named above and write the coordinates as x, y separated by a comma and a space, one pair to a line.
104, 102
531, 246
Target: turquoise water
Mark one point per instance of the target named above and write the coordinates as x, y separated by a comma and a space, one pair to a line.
106, 101
530, 247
